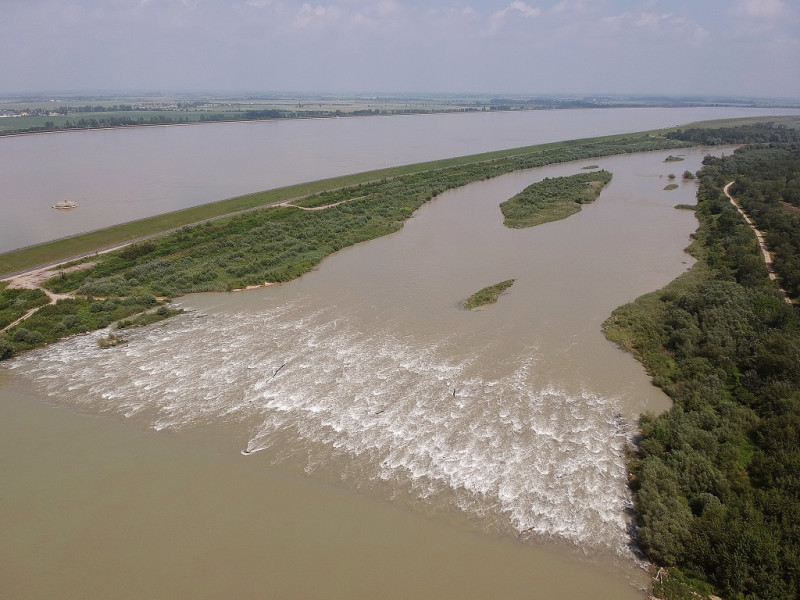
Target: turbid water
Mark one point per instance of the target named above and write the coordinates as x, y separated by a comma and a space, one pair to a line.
396, 445
126, 174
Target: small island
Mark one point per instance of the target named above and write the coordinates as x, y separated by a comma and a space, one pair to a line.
671, 186
488, 295
671, 158
553, 199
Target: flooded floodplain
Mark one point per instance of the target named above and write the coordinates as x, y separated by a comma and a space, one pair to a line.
355, 433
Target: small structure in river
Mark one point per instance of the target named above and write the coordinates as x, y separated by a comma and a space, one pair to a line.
65, 204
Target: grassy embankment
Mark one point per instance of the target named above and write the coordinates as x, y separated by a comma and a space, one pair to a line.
72, 316
553, 199
487, 295
715, 478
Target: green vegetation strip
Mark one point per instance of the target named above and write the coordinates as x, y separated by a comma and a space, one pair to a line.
671, 186
68, 317
488, 295
715, 478
15, 303
553, 199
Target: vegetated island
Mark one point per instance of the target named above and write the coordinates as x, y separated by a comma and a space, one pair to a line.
671, 158
553, 199
715, 478
671, 186
488, 295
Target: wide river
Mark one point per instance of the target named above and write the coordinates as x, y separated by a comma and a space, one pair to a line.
396, 446
126, 174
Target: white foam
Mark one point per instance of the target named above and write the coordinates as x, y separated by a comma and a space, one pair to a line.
510, 449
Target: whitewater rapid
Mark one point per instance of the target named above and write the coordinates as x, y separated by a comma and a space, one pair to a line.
514, 451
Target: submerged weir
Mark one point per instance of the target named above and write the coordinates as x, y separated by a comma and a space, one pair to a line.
526, 457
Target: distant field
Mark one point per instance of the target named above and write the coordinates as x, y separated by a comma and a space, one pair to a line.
45, 116
56, 114
143, 117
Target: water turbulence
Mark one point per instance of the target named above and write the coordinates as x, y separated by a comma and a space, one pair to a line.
542, 461
367, 370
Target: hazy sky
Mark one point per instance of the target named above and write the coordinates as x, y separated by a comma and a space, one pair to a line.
740, 47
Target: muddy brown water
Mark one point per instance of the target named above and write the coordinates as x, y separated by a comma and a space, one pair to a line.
395, 444
126, 174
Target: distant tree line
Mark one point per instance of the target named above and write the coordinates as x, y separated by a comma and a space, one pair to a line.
181, 116
759, 133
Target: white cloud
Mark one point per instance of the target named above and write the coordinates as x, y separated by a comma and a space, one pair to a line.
315, 16
570, 6
656, 23
374, 13
761, 9
525, 10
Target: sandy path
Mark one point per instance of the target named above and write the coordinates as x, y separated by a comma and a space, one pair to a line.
761, 241
33, 279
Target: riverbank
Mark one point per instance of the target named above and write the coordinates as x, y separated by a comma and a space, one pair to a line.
709, 475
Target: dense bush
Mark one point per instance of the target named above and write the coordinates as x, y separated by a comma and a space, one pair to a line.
717, 477
68, 317
14, 303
